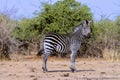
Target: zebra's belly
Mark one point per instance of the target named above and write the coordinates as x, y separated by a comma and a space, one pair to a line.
62, 49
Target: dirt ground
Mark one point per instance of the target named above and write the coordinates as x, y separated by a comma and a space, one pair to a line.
29, 68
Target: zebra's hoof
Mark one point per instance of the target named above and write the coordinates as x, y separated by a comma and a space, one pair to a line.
44, 70
73, 70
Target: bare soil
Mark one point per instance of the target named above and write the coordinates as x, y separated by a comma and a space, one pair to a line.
29, 68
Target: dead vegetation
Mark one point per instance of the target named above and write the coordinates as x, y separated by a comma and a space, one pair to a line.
7, 43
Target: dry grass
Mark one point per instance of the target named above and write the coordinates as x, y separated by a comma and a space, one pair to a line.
111, 55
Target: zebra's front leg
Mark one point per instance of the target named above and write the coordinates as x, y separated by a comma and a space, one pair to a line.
44, 63
72, 64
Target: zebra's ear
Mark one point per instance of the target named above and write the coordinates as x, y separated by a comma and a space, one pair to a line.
85, 23
90, 22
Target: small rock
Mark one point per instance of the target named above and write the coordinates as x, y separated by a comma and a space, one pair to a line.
64, 65
35, 79
25, 64
103, 72
32, 69
32, 76
89, 73
66, 75
10, 65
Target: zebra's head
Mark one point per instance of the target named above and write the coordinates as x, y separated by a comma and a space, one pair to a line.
84, 28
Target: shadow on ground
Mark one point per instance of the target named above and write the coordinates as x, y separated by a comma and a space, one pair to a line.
70, 70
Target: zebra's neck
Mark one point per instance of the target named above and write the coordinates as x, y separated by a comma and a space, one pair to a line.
76, 36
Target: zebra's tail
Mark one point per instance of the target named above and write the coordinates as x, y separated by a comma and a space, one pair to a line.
40, 52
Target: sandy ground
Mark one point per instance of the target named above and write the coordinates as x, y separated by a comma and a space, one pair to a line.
29, 68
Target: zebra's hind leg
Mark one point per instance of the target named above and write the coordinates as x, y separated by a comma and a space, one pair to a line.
44, 62
72, 64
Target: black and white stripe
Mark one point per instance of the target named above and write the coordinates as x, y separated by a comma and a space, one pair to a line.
56, 42
60, 43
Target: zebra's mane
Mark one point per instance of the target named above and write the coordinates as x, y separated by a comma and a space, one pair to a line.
78, 28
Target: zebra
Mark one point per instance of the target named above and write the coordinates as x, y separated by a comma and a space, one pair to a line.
63, 43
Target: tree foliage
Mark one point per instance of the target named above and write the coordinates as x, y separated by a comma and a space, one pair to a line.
60, 17
25, 31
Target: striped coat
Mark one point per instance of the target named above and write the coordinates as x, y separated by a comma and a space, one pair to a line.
63, 43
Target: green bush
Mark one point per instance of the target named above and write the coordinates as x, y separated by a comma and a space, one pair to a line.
60, 17
25, 31
107, 36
